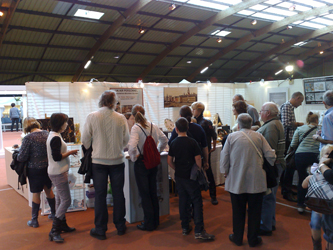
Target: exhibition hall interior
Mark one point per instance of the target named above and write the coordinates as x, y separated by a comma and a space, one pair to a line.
256, 77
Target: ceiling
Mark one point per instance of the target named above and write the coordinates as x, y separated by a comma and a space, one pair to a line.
43, 41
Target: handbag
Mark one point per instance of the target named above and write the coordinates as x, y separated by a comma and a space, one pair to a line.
271, 171
319, 197
290, 157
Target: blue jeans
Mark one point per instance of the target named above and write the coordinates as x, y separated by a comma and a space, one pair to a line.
268, 206
146, 182
315, 222
15, 120
117, 178
189, 192
63, 195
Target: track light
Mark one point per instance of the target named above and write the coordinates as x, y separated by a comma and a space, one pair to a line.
321, 52
141, 31
172, 7
289, 27
219, 40
254, 22
289, 68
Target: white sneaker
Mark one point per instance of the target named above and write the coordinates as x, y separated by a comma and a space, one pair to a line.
300, 210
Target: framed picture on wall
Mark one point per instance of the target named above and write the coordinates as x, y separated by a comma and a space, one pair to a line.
278, 95
177, 97
127, 98
315, 88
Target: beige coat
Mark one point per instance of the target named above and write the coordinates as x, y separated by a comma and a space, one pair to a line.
242, 164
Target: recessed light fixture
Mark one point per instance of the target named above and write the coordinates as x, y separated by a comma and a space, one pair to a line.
278, 72
254, 22
219, 40
189, 61
204, 70
289, 27
141, 31
88, 14
289, 68
172, 7
321, 52
87, 64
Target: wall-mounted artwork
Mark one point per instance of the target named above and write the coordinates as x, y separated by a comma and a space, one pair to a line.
127, 98
177, 97
278, 95
315, 88
68, 135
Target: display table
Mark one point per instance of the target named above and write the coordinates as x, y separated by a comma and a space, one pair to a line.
12, 177
134, 212
215, 163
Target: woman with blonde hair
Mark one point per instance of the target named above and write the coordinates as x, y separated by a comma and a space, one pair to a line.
33, 150
307, 153
145, 178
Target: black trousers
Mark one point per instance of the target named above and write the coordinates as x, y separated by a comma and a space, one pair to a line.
287, 175
117, 178
146, 182
210, 177
15, 120
239, 202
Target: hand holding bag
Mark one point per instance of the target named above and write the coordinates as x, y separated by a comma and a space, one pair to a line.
320, 194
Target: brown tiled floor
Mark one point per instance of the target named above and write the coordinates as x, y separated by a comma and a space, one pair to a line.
292, 232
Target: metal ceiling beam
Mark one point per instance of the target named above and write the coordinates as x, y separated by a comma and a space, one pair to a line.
12, 79
9, 16
196, 29
107, 34
282, 47
260, 32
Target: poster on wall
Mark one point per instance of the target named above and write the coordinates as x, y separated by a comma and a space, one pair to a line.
127, 98
177, 97
314, 89
67, 135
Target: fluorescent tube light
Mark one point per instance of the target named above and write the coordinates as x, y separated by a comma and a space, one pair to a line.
203, 71
87, 64
88, 14
278, 72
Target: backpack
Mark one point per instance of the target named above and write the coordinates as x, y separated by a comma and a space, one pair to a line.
151, 156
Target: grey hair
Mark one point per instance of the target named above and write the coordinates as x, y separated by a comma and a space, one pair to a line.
297, 95
244, 121
328, 97
240, 97
272, 108
108, 99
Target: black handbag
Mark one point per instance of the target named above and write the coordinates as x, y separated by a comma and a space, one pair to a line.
290, 157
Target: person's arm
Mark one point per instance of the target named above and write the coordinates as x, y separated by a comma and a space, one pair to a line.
225, 158
24, 152
55, 145
214, 136
86, 136
173, 136
325, 170
320, 139
198, 160
205, 157
305, 183
162, 140
171, 163
255, 116
133, 143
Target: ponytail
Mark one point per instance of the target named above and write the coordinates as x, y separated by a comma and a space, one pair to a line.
139, 115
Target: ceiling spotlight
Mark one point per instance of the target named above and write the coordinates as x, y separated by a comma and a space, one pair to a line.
219, 40
172, 7
189, 61
289, 68
1, 13
289, 27
116, 57
141, 31
254, 22
321, 52
292, 7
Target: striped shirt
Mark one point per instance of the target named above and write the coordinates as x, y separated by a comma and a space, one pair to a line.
308, 145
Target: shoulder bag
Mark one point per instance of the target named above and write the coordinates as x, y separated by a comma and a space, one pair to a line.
290, 157
320, 194
271, 171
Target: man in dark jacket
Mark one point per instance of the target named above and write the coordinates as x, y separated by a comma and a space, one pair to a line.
198, 109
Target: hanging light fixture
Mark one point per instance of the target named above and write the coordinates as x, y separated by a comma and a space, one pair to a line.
172, 7
321, 52
219, 40
289, 27
289, 68
141, 31
254, 22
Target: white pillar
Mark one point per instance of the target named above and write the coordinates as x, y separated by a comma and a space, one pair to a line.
2, 151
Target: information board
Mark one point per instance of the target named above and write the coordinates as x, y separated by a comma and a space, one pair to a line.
314, 89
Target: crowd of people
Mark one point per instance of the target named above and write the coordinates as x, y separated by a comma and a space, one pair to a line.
107, 133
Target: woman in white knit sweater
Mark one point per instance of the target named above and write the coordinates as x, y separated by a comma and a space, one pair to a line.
58, 160
107, 132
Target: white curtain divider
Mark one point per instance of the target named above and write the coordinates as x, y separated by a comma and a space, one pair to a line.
77, 99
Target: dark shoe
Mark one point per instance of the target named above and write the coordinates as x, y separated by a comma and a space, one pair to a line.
65, 228
54, 234
265, 233
122, 232
34, 215
143, 227
52, 207
186, 231
290, 197
231, 238
204, 236
273, 228
214, 201
259, 242
96, 235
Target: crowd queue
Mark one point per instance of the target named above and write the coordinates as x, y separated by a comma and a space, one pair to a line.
108, 132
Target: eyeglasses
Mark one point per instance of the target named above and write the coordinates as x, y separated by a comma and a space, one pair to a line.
262, 111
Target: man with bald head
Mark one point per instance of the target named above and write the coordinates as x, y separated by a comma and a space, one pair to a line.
273, 132
249, 108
